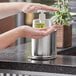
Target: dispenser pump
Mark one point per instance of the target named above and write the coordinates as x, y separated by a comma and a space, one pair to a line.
40, 23
42, 16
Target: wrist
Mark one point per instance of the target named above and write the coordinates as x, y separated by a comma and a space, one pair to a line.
18, 31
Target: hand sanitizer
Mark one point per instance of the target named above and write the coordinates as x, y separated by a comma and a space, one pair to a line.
41, 23
43, 48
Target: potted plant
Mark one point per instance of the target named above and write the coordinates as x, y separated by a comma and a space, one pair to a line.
62, 19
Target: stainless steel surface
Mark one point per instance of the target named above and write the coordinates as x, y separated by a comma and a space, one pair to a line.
20, 19
45, 47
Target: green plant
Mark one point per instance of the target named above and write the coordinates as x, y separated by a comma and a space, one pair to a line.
63, 16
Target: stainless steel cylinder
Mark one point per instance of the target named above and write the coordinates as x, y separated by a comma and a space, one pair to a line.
44, 48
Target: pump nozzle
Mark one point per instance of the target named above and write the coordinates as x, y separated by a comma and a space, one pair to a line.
42, 16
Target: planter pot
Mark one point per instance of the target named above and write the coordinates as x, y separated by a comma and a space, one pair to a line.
64, 36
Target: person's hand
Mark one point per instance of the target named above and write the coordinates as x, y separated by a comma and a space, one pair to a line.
36, 33
31, 7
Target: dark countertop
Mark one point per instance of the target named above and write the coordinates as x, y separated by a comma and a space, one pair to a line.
16, 58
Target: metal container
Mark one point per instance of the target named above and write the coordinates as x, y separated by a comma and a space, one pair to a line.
44, 48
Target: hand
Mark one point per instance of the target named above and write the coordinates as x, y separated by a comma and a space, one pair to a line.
36, 33
31, 7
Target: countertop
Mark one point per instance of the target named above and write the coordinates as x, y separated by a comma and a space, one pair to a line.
16, 58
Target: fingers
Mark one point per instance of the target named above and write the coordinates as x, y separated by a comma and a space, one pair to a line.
44, 32
31, 7
44, 7
51, 29
49, 8
41, 7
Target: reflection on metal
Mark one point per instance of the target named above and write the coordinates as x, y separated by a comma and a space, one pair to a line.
20, 22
